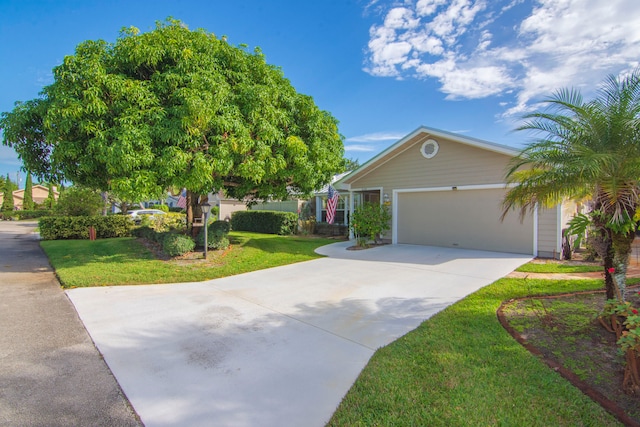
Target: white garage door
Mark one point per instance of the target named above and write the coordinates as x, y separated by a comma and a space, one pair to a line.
462, 218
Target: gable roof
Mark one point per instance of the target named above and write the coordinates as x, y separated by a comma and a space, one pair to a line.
406, 142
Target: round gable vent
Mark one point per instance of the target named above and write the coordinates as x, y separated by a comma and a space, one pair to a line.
429, 148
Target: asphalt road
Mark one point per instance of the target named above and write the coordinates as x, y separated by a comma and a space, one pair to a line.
51, 374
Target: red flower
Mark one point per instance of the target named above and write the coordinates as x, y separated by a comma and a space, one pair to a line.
611, 270
634, 311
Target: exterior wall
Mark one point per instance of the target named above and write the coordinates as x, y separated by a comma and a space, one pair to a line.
280, 206
551, 222
227, 207
549, 244
455, 164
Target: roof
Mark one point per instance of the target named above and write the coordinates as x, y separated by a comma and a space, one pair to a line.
409, 140
334, 179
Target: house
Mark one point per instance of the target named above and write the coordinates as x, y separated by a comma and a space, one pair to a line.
39, 194
445, 189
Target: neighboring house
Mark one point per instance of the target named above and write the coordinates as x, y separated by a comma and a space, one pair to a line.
445, 189
39, 194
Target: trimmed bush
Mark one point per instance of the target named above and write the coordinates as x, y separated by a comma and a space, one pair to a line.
9, 215
77, 227
145, 233
216, 235
175, 244
223, 227
32, 214
269, 222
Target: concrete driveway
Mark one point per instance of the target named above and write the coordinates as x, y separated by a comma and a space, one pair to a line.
277, 347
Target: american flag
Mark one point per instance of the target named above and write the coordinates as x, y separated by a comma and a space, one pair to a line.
332, 203
182, 200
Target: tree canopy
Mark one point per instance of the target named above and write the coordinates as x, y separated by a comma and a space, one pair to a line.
174, 107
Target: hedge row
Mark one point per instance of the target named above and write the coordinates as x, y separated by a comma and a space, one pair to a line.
270, 222
18, 215
77, 227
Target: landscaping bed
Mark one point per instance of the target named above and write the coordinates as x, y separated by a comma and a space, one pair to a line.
565, 332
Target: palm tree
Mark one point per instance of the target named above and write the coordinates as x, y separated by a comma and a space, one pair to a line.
586, 149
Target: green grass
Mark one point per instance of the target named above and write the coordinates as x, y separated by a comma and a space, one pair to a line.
557, 267
124, 261
461, 368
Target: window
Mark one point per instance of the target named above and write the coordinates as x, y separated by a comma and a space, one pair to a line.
341, 209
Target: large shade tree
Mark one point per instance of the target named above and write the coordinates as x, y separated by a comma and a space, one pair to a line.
587, 148
175, 107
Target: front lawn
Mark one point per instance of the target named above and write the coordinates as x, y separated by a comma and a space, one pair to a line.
124, 261
461, 368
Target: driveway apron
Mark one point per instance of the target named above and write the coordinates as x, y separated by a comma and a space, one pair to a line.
277, 347
50, 372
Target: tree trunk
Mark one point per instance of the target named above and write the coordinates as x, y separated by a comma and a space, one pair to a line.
621, 244
601, 241
189, 211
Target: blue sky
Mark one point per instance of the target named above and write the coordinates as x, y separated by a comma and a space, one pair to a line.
381, 67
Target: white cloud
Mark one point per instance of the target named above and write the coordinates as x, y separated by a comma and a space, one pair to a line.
360, 148
376, 137
521, 50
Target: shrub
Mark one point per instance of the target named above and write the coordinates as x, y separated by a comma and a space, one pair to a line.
32, 214
145, 233
78, 201
223, 227
169, 222
9, 215
216, 235
270, 222
369, 221
77, 227
175, 244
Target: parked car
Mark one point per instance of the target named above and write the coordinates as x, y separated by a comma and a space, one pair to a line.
137, 215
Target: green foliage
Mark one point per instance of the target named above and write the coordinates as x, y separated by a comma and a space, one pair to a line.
50, 201
22, 214
217, 233
223, 227
77, 227
79, 201
7, 201
349, 165
163, 208
27, 202
172, 221
144, 232
270, 222
369, 221
174, 107
175, 244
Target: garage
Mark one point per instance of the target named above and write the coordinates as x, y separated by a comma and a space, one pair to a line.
462, 218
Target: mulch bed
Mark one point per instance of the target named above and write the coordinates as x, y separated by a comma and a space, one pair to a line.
603, 385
